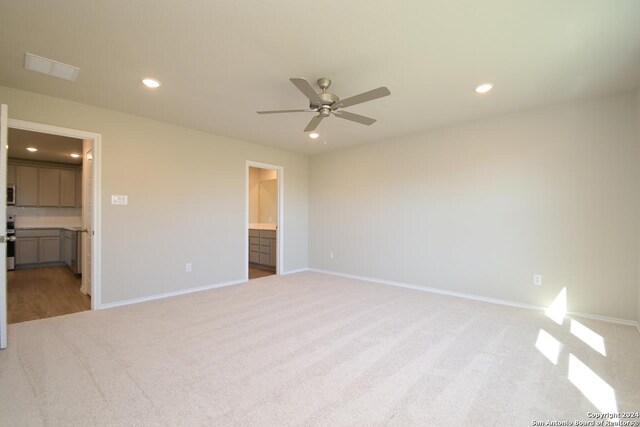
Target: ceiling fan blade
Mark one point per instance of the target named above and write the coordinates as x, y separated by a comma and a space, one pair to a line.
364, 97
354, 117
313, 124
284, 111
308, 91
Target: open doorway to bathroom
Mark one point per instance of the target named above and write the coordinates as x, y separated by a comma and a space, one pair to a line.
46, 179
264, 205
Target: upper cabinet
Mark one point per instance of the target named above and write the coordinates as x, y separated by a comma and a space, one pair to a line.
48, 187
11, 175
68, 188
45, 185
26, 186
79, 188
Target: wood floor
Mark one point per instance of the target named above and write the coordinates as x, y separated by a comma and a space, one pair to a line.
256, 273
38, 293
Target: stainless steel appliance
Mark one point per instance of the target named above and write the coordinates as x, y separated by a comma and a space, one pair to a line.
11, 242
11, 194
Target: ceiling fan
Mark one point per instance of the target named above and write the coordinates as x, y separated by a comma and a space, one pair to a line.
326, 104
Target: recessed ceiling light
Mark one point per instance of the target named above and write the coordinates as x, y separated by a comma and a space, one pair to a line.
152, 83
484, 88
33, 150
314, 135
74, 155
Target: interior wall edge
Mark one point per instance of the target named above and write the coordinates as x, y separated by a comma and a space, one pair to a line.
516, 304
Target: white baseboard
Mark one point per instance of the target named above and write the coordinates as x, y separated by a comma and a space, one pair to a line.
300, 270
169, 294
476, 297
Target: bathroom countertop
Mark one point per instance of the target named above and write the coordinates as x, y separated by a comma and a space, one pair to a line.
262, 226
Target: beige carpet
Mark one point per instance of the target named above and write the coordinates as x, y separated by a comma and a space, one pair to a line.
311, 349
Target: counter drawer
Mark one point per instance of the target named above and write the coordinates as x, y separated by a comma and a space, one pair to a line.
254, 233
268, 234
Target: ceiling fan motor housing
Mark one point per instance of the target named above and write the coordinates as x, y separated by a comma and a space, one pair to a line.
326, 104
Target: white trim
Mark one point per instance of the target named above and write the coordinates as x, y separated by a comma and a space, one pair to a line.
170, 294
4, 320
476, 297
96, 142
300, 270
280, 225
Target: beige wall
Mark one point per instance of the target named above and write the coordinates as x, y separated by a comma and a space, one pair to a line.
481, 207
269, 201
254, 195
186, 198
638, 136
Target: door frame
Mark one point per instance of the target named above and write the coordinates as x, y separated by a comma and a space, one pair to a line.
280, 216
96, 192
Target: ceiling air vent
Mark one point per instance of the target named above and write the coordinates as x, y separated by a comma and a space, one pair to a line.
49, 66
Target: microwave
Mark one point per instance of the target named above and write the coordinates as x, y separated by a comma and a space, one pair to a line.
11, 194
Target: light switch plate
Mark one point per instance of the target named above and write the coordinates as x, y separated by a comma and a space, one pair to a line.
117, 199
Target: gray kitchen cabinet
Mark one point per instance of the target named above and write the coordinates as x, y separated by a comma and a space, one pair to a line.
68, 249
11, 175
26, 250
38, 246
67, 188
26, 186
79, 188
262, 248
48, 187
70, 244
45, 184
49, 249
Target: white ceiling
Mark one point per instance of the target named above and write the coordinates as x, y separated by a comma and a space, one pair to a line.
51, 148
222, 60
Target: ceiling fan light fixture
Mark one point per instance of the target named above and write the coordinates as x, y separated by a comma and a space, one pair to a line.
314, 135
484, 88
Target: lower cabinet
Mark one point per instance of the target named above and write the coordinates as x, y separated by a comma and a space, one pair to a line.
262, 248
26, 250
38, 246
70, 253
49, 249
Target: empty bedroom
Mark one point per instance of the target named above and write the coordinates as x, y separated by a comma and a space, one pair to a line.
415, 213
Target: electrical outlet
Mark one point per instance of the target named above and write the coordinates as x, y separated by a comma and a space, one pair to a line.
188, 267
331, 255
537, 279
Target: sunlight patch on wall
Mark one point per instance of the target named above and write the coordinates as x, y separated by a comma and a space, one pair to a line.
549, 346
558, 307
592, 339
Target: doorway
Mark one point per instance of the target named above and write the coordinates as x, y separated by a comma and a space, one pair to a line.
264, 220
44, 222
56, 212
